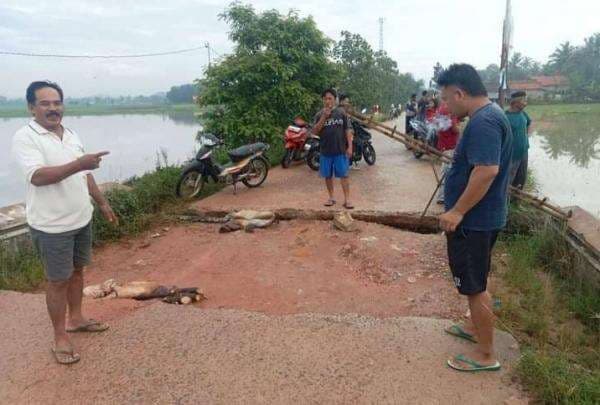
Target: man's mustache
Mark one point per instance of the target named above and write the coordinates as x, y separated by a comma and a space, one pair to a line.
50, 114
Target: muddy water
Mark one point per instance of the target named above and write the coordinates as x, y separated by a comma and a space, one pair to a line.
135, 142
565, 159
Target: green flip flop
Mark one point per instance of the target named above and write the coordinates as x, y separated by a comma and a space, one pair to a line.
456, 330
475, 367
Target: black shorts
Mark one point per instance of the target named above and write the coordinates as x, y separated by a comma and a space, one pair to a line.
470, 257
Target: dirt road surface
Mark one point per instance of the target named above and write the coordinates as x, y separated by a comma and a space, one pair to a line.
297, 313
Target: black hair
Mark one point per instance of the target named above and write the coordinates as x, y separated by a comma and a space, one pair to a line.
343, 96
330, 91
35, 86
517, 94
414, 95
463, 76
424, 93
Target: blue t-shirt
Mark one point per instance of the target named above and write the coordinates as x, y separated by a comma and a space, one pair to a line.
486, 141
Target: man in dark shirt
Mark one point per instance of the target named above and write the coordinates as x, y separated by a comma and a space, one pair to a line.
476, 206
411, 112
333, 126
422, 106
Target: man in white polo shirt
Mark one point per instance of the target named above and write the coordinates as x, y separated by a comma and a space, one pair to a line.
59, 210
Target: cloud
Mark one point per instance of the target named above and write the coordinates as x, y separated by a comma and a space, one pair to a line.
416, 34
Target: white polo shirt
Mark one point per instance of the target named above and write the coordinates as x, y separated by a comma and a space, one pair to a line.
59, 207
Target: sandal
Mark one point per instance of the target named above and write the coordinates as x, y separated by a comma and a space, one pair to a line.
473, 365
65, 356
330, 203
91, 326
348, 206
458, 331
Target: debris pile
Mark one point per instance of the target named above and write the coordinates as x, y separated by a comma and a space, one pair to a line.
144, 290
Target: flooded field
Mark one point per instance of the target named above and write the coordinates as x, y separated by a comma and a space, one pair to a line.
135, 141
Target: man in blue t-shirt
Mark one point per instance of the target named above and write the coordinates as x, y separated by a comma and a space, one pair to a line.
475, 197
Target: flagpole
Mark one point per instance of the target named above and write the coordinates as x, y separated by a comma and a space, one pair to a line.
506, 42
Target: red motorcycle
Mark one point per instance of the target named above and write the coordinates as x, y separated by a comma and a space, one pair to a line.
295, 138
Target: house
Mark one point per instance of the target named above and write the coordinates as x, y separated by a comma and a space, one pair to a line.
538, 87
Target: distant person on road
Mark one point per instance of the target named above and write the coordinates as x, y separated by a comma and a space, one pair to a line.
59, 211
344, 103
446, 141
422, 105
411, 113
335, 129
519, 123
475, 201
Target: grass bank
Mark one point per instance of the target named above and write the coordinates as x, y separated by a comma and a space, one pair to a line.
79, 110
554, 315
550, 111
147, 200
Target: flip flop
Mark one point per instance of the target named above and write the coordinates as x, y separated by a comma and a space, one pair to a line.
329, 203
64, 356
348, 206
456, 330
475, 367
91, 326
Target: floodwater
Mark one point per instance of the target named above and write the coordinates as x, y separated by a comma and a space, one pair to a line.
135, 142
565, 159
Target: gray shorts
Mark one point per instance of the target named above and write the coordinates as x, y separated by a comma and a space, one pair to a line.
62, 252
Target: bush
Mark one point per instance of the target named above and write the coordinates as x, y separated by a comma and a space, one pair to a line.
21, 271
135, 207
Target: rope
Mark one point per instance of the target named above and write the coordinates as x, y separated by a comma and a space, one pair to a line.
141, 55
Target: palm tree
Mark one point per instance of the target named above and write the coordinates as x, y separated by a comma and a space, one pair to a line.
561, 56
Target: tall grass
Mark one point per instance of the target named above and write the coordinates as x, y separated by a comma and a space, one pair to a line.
21, 271
553, 313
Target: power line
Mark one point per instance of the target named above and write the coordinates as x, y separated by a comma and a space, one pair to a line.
141, 55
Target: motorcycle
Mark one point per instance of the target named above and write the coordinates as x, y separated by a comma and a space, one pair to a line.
427, 132
248, 165
295, 138
362, 147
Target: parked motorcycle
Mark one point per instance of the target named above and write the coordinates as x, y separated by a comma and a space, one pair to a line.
248, 165
425, 132
295, 138
362, 147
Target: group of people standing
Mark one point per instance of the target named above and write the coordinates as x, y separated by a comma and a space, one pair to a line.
490, 153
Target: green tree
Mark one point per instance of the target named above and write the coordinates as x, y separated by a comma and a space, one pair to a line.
370, 77
182, 94
278, 69
561, 58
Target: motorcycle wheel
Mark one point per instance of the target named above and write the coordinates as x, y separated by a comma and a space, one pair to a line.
190, 184
369, 154
257, 173
314, 160
287, 158
418, 154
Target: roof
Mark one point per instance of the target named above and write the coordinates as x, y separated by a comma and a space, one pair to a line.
539, 83
551, 81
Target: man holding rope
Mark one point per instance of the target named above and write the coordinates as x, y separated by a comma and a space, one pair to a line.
475, 197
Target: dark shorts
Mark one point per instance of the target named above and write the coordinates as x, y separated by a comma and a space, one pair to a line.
62, 252
337, 166
470, 257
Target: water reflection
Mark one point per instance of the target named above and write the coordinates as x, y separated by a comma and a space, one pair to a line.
135, 141
576, 136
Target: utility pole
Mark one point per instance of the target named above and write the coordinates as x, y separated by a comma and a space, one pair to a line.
207, 45
507, 29
381, 34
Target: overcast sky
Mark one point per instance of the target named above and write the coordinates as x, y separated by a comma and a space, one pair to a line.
416, 34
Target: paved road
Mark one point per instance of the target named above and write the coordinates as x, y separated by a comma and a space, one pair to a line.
320, 332
396, 183
180, 355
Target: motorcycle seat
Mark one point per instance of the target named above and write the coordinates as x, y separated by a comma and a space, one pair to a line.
247, 150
